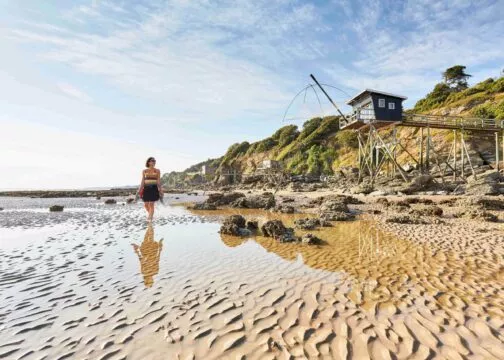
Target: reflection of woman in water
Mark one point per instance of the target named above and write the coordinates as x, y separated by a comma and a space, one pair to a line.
148, 253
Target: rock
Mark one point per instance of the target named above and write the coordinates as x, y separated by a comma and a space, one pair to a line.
233, 225
406, 219
252, 225
415, 200
204, 206
477, 214
285, 209
287, 236
334, 205
378, 193
273, 228
265, 201
98, 198
1, 208
130, 200
287, 200
307, 223
110, 201
382, 201
488, 183
56, 208
336, 216
428, 211
484, 203
362, 189
220, 199
311, 239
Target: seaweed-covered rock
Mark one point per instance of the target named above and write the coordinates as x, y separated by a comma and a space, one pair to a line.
334, 205
477, 214
406, 219
220, 199
204, 206
288, 236
130, 200
483, 203
273, 228
285, 209
428, 211
336, 216
307, 223
264, 201
56, 208
489, 183
233, 225
252, 225
311, 239
110, 201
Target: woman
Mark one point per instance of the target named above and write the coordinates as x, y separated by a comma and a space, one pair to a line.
150, 188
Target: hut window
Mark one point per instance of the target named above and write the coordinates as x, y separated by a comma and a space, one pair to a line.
391, 106
381, 103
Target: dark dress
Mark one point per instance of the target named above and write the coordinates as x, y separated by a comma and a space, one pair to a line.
151, 191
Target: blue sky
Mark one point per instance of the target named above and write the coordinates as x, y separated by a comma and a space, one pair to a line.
89, 89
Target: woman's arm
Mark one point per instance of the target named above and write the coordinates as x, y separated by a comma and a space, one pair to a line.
160, 188
142, 182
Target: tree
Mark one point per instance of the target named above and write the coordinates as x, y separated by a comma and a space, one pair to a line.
456, 77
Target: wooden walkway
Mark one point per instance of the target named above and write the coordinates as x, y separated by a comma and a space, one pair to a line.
429, 121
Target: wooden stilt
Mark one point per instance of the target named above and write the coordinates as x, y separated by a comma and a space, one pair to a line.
462, 153
421, 151
497, 160
454, 155
427, 153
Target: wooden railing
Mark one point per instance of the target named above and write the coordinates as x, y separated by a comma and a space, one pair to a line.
452, 122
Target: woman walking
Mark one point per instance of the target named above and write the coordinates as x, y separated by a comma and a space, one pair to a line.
150, 187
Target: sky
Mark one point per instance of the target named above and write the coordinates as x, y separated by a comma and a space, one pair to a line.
89, 89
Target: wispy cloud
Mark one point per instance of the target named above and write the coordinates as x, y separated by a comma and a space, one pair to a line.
72, 91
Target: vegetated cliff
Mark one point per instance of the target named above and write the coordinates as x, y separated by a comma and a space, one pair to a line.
319, 147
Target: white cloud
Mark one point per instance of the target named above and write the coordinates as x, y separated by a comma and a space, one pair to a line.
72, 91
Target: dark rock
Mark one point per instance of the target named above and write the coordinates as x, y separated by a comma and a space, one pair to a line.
382, 201
252, 225
415, 200
265, 201
336, 216
110, 201
287, 236
130, 200
307, 223
477, 214
233, 225
98, 198
483, 203
220, 199
488, 183
204, 206
287, 200
273, 228
428, 211
406, 219
285, 209
311, 239
56, 208
334, 205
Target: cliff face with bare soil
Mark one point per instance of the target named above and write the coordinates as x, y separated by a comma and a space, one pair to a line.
319, 147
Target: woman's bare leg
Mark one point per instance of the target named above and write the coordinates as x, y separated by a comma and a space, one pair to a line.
146, 206
151, 210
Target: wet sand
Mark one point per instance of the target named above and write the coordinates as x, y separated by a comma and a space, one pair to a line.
100, 284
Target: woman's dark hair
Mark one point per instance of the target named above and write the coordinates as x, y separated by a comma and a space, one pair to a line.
147, 162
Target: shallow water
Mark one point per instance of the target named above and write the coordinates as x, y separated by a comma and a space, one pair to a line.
98, 283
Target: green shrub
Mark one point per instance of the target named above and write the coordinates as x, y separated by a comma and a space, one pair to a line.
434, 98
347, 138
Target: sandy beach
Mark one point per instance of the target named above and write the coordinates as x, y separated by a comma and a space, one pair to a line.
95, 282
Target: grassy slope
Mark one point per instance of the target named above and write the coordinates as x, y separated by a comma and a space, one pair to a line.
320, 148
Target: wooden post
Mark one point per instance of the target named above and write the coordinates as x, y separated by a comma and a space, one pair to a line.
421, 151
427, 153
503, 145
462, 152
454, 155
497, 151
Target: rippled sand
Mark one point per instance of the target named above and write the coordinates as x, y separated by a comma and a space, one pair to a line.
103, 285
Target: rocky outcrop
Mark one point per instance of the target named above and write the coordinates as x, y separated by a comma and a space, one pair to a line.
265, 201
204, 206
428, 211
489, 183
335, 210
284, 209
111, 201
310, 223
56, 208
234, 225
406, 219
222, 199
477, 214
311, 239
